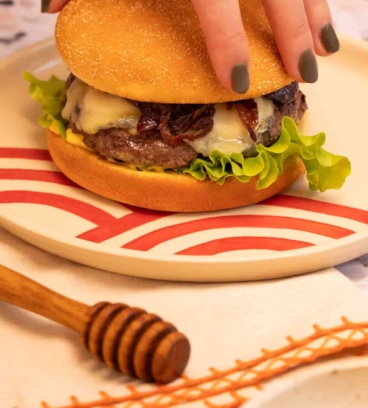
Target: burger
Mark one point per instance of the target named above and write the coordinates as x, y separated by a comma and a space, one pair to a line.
142, 118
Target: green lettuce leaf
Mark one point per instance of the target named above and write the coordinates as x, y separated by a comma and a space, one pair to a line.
324, 170
50, 95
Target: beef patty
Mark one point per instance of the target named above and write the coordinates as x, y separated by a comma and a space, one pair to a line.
151, 150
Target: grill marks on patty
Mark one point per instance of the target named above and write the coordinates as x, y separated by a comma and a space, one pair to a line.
163, 127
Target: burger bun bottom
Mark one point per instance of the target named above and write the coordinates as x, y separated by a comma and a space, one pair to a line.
168, 192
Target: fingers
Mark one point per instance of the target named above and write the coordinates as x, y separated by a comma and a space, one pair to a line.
320, 23
52, 6
289, 22
302, 28
226, 42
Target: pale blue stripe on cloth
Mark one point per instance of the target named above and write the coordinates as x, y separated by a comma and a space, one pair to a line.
357, 272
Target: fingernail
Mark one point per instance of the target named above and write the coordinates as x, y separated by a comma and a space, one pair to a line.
329, 38
45, 5
240, 78
308, 67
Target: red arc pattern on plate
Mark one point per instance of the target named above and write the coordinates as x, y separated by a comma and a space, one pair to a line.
71, 205
37, 175
150, 240
137, 218
222, 245
108, 226
322, 207
20, 153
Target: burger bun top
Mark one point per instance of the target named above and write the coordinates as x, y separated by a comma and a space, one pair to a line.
155, 51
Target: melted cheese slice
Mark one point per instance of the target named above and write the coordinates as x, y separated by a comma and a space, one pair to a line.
92, 110
229, 135
266, 110
75, 139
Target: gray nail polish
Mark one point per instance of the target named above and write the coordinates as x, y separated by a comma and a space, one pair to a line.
45, 5
240, 78
308, 67
329, 38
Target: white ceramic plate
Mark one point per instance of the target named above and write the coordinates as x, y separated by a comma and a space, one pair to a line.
340, 383
291, 234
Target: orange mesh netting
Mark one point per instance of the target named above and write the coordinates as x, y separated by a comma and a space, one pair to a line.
231, 384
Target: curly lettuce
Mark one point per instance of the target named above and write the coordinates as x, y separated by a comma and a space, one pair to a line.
50, 95
324, 170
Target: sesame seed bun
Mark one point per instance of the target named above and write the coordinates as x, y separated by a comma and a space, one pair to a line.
161, 191
154, 50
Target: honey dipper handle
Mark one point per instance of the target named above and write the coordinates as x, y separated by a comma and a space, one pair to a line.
30, 295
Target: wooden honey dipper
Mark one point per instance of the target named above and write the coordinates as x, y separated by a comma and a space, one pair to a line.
127, 339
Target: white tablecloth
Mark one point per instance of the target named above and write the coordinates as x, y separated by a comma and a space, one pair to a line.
22, 24
307, 317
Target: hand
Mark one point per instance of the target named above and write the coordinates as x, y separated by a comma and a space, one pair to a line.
301, 28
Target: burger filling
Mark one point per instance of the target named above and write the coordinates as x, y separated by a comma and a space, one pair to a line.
173, 135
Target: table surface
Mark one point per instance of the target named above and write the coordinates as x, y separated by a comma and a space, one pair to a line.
22, 24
